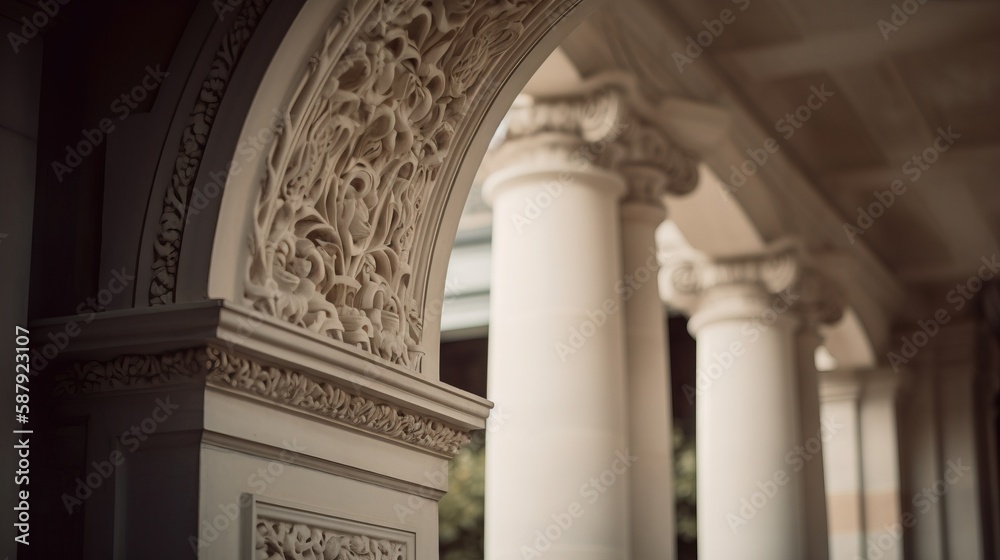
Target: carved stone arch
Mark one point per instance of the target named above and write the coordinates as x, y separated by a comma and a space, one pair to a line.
201, 141
396, 103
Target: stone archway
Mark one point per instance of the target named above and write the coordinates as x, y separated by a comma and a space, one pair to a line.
379, 113
289, 275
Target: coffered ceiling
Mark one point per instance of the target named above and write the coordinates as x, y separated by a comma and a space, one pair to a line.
897, 80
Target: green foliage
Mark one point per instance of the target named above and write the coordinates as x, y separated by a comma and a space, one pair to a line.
462, 508
685, 486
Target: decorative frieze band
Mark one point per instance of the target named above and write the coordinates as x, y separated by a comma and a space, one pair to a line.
131, 371
324, 399
298, 541
225, 370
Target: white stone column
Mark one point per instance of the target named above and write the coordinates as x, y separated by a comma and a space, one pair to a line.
818, 303
840, 395
880, 475
753, 451
557, 473
864, 506
650, 411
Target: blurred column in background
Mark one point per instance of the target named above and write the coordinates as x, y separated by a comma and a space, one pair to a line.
863, 464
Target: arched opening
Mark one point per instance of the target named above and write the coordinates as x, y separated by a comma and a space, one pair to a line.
266, 235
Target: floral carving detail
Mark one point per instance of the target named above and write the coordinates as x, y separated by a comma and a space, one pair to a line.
327, 400
192, 146
371, 125
131, 371
222, 369
281, 540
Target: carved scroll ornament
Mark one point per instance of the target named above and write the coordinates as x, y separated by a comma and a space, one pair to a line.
371, 124
281, 540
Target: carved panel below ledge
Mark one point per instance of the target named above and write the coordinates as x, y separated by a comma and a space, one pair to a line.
228, 371
281, 540
282, 530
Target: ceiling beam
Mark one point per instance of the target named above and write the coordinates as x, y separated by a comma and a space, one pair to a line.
935, 24
957, 160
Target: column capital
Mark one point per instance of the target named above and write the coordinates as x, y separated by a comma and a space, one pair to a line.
780, 277
605, 123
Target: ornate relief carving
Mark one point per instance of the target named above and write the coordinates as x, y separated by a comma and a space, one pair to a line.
612, 119
192, 146
371, 125
281, 540
325, 399
131, 371
222, 369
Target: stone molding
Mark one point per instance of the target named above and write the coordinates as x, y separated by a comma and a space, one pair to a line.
371, 125
194, 138
607, 124
281, 386
131, 371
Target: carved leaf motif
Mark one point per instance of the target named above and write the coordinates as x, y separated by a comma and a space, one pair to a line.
280, 540
372, 124
192, 145
327, 400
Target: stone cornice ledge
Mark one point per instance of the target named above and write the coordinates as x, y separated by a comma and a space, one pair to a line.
285, 388
127, 336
